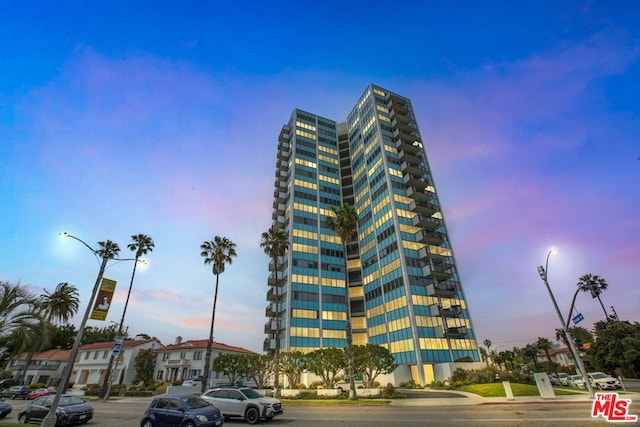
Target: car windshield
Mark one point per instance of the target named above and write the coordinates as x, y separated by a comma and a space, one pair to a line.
195, 402
70, 400
251, 393
598, 376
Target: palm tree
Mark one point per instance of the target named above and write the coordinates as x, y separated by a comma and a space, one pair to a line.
17, 307
218, 252
344, 222
141, 245
531, 351
545, 345
484, 355
275, 242
595, 285
61, 304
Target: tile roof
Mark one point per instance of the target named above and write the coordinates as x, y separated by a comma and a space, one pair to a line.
109, 345
55, 354
202, 344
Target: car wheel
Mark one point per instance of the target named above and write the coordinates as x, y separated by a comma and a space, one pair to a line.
598, 386
189, 424
147, 423
23, 419
252, 415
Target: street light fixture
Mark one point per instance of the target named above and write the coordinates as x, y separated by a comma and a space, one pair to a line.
543, 272
109, 251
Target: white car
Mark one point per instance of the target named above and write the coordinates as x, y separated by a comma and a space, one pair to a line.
243, 402
602, 381
563, 378
576, 381
193, 382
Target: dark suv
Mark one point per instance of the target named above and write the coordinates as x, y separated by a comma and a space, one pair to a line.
16, 392
181, 411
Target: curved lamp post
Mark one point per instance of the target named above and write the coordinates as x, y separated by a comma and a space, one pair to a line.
51, 418
542, 271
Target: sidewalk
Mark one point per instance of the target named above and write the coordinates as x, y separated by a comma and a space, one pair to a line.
470, 399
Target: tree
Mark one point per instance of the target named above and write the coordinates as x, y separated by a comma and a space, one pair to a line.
259, 368
60, 305
530, 351
234, 366
275, 243
293, 365
218, 252
484, 355
93, 335
141, 245
617, 349
595, 285
145, 364
545, 345
344, 222
371, 361
327, 364
581, 335
18, 307
63, 336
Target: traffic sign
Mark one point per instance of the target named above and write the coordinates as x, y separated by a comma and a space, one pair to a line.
578, 318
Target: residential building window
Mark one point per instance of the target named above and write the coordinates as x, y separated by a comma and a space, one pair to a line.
182, 356
165, 356
95, 355
105, 353
197, 355
86, 355
160, 374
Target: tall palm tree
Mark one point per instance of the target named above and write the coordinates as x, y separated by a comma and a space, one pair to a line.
545, 345
17, 307
484, 355
218, 252
275, 242
344, 222
595, 285
531, 351
61, 304
141, 245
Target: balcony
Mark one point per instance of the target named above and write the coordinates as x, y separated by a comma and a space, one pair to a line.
453, 311
278, 209
269, 344
459, 332
397, 104
270, 326
445, 289
274, 293
426, 222
431, 237
438, 271
270, 311
177, 363
282, 165
422, 207
412, 157
413, 168
410, 145
285, 136
279, 196
420, 182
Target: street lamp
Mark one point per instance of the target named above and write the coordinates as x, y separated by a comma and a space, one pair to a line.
543, 272
109, 250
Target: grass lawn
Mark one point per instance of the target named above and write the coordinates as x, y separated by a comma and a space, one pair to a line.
497, 390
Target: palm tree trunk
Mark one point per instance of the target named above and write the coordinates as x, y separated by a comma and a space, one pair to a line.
606, 316
207, 359
23, 376
276, 356
349, 332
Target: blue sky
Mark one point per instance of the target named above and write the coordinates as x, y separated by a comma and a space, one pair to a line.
119, 118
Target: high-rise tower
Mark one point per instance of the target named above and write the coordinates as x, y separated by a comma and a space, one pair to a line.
403, 286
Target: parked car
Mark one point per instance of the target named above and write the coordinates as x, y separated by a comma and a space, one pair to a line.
576, 381
563, 377
15, 392
192, 382
39, 392
181, 411
553, 380
602, 381
5, 409
8, 382
71, 410
243, 402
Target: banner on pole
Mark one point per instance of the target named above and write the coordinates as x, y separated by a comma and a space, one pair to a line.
103, 300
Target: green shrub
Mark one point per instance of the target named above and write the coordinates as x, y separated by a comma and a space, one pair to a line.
410, 384
300, 386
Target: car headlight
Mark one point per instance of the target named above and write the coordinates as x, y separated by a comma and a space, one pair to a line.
201, 418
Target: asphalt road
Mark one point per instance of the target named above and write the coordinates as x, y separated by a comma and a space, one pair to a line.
128, 413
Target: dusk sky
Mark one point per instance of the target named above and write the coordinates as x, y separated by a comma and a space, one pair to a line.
162, 118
